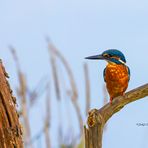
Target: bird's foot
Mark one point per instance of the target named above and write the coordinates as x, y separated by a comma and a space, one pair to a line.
111, 99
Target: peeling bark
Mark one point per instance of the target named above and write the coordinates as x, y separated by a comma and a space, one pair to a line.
10, 128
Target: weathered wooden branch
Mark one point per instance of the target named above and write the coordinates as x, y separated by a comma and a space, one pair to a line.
98, 118
10, 128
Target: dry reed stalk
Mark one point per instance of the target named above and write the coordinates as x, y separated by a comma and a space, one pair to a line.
37, 91
22, 94
57, 89
104, 95
47, 120
105, 101
87, 88
74, 96
55, 74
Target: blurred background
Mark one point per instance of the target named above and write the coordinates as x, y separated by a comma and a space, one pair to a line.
43, 44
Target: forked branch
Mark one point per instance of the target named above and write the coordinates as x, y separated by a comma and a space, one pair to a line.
97, 118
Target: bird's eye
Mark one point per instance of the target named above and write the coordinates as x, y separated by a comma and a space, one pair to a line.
106, 55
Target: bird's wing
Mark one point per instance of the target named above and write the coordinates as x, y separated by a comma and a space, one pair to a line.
129, 74
104, 74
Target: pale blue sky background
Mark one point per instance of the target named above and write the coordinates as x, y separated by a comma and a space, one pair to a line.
80, 28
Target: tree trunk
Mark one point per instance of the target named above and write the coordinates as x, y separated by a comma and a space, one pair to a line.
10, 128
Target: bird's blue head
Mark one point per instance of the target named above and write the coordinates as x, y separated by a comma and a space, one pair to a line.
111, 56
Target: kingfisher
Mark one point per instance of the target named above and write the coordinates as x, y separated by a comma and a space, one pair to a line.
116, 74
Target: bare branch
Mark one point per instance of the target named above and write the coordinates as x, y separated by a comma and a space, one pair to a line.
98, 118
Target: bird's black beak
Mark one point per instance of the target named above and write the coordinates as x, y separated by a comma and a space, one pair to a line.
95, 57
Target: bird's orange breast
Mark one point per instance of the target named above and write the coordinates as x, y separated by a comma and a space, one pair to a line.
116, 77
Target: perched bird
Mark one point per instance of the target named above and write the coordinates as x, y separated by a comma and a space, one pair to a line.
116, 74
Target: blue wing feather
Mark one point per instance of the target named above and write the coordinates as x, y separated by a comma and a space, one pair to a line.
129, 73
104, 75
